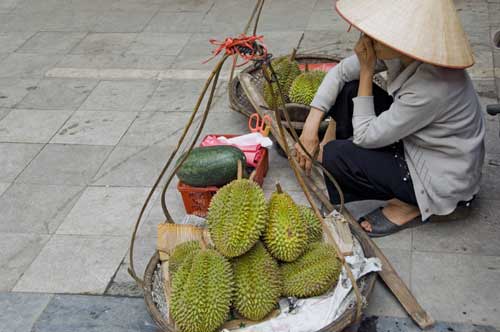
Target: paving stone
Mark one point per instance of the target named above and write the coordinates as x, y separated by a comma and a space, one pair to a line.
36, 209
108, 211
327, 20
120, 95
156, 216
16, 254
485, 88
382, 301
102, 43
95, 314
27, 65
187, 5
56, 93
175, 22
224, 123
218, 22
29, 126
123, 284
4, 186
15, 157
20, 311
159, 128
65, 164
281, 42
457, 288
490, 181
74, 264
131, 5
119, 61
73, 20
475, 234
14, 90
118, 20
195, 52
4, 112
133, 166
51, 42
158, 43
11, 41
289, 16
94, 128
395, 324
175, 95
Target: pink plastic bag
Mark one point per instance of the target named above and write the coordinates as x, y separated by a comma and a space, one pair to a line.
253, 153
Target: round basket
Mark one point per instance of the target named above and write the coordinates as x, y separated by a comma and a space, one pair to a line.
298, 113
153, 278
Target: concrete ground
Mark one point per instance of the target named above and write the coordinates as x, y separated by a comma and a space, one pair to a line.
93, 94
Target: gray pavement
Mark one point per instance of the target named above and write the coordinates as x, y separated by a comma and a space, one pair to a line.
93, 94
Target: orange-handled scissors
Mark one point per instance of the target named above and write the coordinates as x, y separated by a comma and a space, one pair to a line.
258, 124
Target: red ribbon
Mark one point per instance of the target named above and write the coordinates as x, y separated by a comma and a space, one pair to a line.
231, 46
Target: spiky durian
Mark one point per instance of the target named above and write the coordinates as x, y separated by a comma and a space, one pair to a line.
313, 274
286, 71
201, 292
286, 232
257, 283
314, 229
237, 217
305, 86
180, 253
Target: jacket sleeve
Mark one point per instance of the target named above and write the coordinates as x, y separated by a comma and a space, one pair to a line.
409, 113
345, 71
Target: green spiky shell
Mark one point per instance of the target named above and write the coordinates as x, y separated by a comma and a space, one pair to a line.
286, 233
305, 86
286, 72
313, 274
257, 283
237, 217
180, 253
314, 229
202, 292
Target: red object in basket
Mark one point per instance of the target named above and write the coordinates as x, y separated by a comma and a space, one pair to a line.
197, 200
325, 66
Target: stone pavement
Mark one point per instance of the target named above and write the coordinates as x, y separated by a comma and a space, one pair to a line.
93, 94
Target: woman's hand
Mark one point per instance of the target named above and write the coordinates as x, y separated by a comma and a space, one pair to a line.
309, 139
366, 55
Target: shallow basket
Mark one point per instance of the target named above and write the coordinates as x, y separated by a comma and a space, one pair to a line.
298, 113
153, 272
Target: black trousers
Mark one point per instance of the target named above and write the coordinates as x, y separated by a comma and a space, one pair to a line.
363, 174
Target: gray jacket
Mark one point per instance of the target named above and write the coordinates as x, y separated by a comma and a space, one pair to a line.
437, 114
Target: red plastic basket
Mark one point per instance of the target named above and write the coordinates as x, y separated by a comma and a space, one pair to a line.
197, 200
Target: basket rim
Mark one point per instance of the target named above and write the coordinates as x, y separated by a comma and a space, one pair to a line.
347, 318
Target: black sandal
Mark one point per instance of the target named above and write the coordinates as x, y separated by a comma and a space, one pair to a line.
382, 226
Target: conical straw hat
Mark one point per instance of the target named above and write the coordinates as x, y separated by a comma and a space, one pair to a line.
426, 30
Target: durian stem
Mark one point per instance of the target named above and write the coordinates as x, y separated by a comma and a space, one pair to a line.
279, 190
239, 173
305, 189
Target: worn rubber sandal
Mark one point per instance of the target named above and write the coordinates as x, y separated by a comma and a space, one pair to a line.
381, 226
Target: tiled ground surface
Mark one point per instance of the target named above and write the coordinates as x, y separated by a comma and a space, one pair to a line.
93, 94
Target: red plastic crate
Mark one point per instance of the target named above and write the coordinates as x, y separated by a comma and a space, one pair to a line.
196, 200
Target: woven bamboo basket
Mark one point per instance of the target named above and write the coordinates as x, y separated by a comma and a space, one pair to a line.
154, 294
298, 113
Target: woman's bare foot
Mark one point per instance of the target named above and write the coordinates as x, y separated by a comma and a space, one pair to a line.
397, 212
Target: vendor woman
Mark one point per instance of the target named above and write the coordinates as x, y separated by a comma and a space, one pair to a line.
420, 145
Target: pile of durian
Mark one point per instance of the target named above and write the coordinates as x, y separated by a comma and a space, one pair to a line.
261, 251
297, 87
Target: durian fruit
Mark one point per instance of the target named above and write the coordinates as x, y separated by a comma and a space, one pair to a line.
313, 274
180, 253
305, 86
257, 283
202, 291
237, 217
286, 232
314, 229
286, 71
